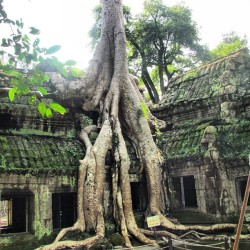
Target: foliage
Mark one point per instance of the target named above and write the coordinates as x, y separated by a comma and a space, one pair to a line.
20, 53
161, 35
157, 39
231, 42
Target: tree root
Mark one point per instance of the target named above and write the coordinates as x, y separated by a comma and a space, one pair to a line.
123, 159
87, 243
159, 233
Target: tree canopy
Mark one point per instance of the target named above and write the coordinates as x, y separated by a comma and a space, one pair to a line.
230, 43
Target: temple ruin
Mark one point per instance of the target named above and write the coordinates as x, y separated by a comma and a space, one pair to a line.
205, 147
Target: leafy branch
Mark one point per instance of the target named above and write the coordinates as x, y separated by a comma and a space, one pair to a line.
21, 60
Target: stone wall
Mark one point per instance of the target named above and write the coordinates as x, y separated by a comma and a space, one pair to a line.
39, 191
207, 138
215, 90
39, 161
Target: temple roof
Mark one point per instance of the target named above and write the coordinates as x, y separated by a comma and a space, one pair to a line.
231, 140
209, 81
34, 154
213, 95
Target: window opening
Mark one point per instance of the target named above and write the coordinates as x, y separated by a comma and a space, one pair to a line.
13, 214
5, 213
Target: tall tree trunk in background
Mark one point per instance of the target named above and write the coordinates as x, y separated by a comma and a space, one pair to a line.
149, 84
161, 71
144, 74
108, 87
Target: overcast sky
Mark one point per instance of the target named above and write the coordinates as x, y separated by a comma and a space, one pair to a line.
67, 22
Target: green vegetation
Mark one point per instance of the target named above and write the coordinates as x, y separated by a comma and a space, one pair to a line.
46, 155
231, 42
20, 54
234, 140
185, 141
145, 110
24, 242
190, 75
157, 39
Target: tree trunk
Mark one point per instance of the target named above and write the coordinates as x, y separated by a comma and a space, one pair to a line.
160, 65
149, 84
109, 88
145, 75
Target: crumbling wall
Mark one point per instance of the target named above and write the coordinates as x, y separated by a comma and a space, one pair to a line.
208, 132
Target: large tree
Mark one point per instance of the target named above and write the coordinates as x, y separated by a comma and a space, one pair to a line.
109, 89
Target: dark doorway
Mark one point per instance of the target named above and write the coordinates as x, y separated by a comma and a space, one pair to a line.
242, 186
63, 209
135, 192
139, 197
189, 191
184, 192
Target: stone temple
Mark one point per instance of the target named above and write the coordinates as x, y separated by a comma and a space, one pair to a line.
205, 147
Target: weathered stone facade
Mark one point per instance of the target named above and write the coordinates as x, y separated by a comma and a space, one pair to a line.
206, 145
38, 168
39, 159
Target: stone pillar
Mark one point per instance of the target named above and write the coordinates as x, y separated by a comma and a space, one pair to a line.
43, 211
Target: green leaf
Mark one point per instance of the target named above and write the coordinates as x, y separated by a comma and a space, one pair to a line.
48, 112
34, 31
4, 43
70, 63
35, 55
23, 88
3, 13
29, 58
42, 108
17, 38
42, 90
12, 72
63, 71
19, 23
53, 49
58, 108
11, 94
32, 99
36, 42
7, 20
26, 38
46, 78
77, 73
17, 48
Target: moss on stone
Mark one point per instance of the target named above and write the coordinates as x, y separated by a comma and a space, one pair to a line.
182, 143
116, 239
40, 229
24, 242
234, 140
33, 154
